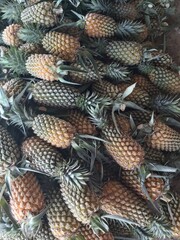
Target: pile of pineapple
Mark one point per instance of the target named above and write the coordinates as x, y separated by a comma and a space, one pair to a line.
89, 121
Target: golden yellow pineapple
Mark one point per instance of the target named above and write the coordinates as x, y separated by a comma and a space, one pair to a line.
43, 13
62, 223
138, 95
27, 198
43, 66
118, 200
63, 45
10, 35
53, 130
9, 152
98, 25
81, 122
155, 186
144, 83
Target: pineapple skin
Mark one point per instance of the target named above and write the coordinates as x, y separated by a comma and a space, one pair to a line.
82, 202
13, 87
127, 53
42, 66
98, 25
144, 83
164, 138
123, 148
88, 234
81, 122
27, 197
53, 130
62, 45
40, 13
10, 35
117, 199
31, 48
45, 233
61, 221
155, 186
55, 94
9, 152
165, 79
138, 96
42, 155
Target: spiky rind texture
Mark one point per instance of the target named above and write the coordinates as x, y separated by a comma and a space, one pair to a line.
10, 35
13, 87
62, 45
26, 197
53, 130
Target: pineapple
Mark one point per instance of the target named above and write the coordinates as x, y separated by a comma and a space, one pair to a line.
172, 211
30, 48
118, 200
160, 59
10, 152
152, 154
165, 79
155, 186
127, 53
63, 45
45, 233
138, 96
53, 130
144, 83
43, 13
45, 158
140, 117
161, 137
82, 202
88, 234
117, 10
43, 66
113, 71
10, 35
30, 202
120, 145
13, 87
81, 122
61, 221
55, 94
118, 229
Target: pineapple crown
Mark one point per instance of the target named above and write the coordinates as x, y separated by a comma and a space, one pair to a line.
167, 104
99, 5
14, 60
117, 72
129, 28
31, 33
98, 116
146, 69
11, 10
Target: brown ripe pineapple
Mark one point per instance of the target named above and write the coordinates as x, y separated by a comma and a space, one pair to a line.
9, 152
27, 198
62, 45
86, 232
42, 13
81, 122
82, 202
163, 137
154, 186
44, 233
118, 200
61, 221
9, 35
30, 48
138, 96
144, 83
56, 131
